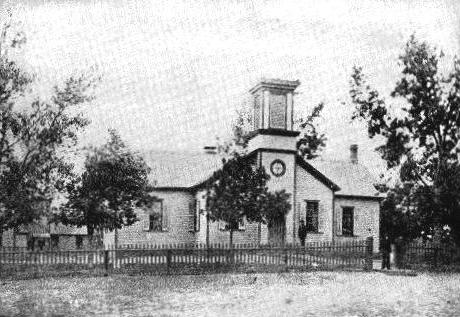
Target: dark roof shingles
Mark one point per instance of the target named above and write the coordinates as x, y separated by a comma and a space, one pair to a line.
354, 179
188, 169
180, 169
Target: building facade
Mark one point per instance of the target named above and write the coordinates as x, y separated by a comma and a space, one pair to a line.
42, 236
336, 199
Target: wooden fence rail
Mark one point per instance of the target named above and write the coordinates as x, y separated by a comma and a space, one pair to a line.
427, 255
190, 258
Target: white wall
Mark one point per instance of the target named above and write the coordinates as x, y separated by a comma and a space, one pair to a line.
285, 182
310, 188
273, 142
180, 229
366, 219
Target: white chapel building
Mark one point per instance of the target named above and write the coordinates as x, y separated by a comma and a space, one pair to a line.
337, 199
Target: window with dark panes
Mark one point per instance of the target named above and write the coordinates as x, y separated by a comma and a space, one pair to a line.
347, 221
41, 244
31, 243
79, 242
311, 218
156, 216
54, 241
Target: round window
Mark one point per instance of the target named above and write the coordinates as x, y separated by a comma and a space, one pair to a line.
278, 168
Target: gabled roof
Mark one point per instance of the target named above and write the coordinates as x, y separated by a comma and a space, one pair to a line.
187, 170
316, 173
181, 170
353, 179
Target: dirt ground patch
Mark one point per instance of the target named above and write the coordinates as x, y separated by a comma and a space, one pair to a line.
283, 294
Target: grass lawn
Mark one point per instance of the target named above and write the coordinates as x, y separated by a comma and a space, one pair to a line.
286, 294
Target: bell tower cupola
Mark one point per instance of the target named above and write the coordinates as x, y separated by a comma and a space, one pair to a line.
273, 114
273, 104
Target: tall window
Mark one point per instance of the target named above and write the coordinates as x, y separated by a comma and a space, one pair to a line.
347, 221
311, 218
196, 219
31, 243
79, 242
156, 217
195, 209
41, 244
55, 241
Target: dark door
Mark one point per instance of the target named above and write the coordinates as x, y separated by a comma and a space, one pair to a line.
277, 232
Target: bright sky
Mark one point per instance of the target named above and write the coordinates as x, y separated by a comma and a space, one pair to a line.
175, 72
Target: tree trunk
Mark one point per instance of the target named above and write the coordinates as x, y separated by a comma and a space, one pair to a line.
100, 241
91, 241
14, 237
231, 260
115, 236
90, 232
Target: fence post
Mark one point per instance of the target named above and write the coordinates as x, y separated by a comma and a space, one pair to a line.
435, 257
106, 262
285, 256
369, 253
400, 253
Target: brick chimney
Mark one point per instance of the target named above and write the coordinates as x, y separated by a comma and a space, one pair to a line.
354, 153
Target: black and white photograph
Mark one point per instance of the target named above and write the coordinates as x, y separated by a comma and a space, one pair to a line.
229, 158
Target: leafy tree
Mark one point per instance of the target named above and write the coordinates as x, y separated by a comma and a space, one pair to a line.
395, 219
241, 128
238, 191
276, 207
311, 142
422, 141
33, 135
113, 184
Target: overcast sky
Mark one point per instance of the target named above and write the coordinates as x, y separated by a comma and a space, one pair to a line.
175, 72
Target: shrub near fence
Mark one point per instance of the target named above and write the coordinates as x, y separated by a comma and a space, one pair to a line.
190, 259
428, 255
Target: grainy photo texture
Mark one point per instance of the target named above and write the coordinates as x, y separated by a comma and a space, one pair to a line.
229, 158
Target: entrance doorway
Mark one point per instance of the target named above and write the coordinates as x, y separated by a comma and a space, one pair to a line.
277, 232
